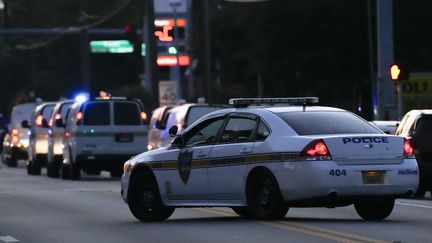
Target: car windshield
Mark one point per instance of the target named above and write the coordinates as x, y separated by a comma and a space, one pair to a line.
325, 122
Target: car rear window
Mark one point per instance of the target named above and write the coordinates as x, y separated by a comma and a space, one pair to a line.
64, 109
330, 122
47, 111
126, 113
424, 124
97, 113
196, 112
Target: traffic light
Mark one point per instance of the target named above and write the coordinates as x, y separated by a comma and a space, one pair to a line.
133, 37
399, 72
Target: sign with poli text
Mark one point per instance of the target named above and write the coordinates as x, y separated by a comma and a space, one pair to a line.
167, 92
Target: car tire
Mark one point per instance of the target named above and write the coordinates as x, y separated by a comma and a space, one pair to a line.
144, 199
421, 192
375, 208
12, 161
75, 171
29, 168
49, 169
64, 171
243, 211
264, 197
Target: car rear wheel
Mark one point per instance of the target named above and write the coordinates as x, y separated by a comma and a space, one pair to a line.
33, 168
12, 161
264, 198
144, 199
65, 171
375, 208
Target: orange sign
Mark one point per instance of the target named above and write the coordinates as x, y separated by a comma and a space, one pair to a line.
394, 72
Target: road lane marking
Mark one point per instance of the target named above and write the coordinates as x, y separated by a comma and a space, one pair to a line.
8, 239
305, 229
413, 205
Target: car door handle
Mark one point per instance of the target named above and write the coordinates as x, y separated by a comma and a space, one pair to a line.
245, 151
201, 155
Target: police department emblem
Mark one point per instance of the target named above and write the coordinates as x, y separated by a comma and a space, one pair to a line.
184, 165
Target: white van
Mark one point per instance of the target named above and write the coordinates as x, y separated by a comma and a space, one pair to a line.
38, 137
55, 137
17, 140
101, 134
157, 124
183, 116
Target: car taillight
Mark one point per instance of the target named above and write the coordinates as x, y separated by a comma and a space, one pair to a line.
79, 117
316, 150
408, 149
38, 121
144, 116
15, 136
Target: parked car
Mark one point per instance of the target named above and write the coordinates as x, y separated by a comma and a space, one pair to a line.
157, 124
55, 137
416, 125
38, 137
388, 127
101, 134
16, 141
185, 115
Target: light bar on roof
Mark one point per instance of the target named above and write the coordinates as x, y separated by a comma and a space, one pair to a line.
244, 102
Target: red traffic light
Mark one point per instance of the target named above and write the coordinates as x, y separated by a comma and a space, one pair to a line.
395, 72
127, 28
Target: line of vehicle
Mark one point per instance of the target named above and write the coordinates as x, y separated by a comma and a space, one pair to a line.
305, 229
413, 205
8, 239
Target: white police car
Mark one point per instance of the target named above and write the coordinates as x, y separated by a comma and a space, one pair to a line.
264, 159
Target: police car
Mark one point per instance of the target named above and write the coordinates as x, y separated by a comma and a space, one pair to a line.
260, 158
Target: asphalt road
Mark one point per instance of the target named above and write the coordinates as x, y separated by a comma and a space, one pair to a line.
41, 209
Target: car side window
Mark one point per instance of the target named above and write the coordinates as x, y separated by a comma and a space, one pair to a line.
238, 129
204, 133
262, 132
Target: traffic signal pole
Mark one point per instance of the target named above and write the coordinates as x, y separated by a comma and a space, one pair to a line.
385, 86
151, 69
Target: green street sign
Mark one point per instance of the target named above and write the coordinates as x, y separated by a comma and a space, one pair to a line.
111, 46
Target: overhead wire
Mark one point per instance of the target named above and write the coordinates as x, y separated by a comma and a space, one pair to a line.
121, 5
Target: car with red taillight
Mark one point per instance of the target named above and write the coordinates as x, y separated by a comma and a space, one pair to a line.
38, 137
55, 137
16, 141
101, 134
269, 154
416, 126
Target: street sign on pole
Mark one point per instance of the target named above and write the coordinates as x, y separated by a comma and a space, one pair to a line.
167, 92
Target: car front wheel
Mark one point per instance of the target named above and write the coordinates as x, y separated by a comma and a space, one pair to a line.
144, 199
375, 208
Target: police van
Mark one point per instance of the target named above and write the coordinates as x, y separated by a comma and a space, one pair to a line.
101, 134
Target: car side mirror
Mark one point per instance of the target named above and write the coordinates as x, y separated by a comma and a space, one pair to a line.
173, 131
45, 123
59, 123
178, 141
25, 124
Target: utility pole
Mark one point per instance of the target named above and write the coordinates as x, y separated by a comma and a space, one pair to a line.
151, 69
207, 57
385, 87
85, 52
